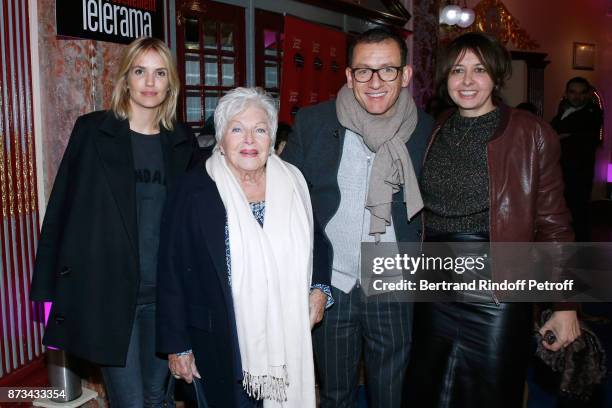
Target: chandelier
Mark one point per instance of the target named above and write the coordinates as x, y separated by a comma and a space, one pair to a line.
453, 14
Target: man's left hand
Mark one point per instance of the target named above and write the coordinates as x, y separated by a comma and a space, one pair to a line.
316, 306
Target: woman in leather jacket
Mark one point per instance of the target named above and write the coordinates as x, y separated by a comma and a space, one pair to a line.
491, 174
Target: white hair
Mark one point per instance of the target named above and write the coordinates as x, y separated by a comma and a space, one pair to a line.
237, 101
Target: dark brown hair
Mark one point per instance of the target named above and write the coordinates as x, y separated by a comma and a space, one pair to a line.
494, 56
375, 36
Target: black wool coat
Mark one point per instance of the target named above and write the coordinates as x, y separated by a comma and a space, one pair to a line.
195, 309
87, 261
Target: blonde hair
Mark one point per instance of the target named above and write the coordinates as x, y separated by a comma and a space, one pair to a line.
120, 102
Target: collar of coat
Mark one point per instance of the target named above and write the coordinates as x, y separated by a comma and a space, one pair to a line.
112, 126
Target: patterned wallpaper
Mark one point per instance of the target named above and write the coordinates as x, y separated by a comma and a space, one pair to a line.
76, 77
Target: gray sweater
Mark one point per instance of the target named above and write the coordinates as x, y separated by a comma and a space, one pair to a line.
349, 226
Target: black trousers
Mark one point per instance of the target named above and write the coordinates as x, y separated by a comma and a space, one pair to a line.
470, 355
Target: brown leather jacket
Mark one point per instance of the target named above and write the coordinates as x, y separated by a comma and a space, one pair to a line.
525, 182
525, 187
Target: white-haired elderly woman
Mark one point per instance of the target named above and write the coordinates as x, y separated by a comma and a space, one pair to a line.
236, 301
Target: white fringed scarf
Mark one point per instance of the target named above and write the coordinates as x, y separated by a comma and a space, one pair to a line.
271, 274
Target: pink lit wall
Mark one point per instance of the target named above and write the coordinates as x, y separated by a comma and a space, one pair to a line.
556, 25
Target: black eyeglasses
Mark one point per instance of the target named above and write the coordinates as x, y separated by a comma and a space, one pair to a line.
386, 74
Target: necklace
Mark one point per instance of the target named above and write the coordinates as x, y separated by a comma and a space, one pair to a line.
465, 134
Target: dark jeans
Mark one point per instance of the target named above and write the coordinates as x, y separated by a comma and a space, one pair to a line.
142, 382
356, 325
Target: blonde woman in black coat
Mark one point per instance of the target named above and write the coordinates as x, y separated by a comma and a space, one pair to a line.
97, 254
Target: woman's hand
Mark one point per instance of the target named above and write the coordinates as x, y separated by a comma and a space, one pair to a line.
564, 324
316, 306
183, 366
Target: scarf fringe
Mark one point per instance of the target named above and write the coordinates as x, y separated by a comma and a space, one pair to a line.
268, 387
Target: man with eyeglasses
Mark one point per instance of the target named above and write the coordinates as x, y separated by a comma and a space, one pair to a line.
361, 156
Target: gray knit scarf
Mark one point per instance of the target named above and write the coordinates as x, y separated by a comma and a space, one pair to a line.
392, 167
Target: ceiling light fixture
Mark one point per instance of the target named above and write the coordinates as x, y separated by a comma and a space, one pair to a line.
454, 15
450, 15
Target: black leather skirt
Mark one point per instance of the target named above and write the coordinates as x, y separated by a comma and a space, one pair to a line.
469, 354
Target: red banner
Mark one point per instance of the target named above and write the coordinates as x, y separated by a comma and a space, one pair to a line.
314, 58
